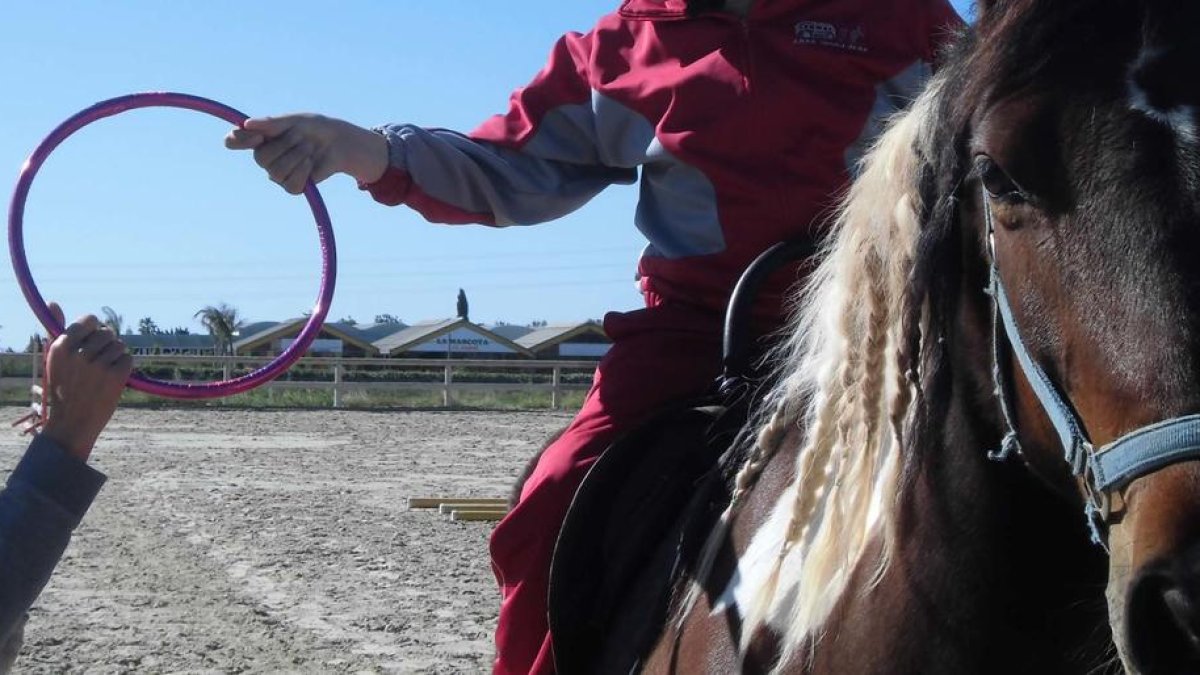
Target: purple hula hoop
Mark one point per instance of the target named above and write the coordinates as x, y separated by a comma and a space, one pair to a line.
16, 245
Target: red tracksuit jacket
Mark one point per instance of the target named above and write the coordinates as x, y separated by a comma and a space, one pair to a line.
744, 130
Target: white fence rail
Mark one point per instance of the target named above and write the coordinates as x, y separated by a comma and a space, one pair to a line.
338, 369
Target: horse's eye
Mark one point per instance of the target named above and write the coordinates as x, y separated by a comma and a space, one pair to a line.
997, 183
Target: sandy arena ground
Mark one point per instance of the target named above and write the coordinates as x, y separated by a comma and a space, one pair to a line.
252, 541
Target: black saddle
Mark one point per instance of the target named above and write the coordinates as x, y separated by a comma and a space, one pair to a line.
626, 508
648, 501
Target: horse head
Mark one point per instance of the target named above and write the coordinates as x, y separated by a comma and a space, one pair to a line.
1065, 160
1013, 268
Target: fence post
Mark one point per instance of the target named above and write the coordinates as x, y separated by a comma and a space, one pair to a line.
337, 382
555, 392
36, 380
446, 387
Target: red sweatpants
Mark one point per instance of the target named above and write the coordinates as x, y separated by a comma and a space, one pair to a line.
659, 355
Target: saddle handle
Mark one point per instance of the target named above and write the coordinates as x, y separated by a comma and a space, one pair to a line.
738, 340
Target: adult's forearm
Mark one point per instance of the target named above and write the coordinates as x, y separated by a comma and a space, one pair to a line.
44, 500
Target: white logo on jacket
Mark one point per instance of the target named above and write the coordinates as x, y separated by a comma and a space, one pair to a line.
825, 34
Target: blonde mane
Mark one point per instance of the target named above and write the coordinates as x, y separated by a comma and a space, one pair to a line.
843, 388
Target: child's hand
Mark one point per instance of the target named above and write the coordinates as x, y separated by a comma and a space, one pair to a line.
297, 148
86, 369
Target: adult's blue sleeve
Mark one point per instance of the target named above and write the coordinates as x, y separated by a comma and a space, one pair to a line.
44, 500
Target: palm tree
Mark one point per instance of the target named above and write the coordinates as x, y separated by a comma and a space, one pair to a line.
113, 320
222, 322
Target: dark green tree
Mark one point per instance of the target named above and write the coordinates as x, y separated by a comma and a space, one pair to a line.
463, 308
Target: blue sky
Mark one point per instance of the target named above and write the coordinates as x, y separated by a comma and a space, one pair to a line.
147, 213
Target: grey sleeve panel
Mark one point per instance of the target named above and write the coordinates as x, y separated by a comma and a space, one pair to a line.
891, 97
677, 204
576, 151
515, 187
46, 496
677, 209
601, 132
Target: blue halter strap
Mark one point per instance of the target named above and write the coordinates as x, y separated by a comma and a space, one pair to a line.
1100, 470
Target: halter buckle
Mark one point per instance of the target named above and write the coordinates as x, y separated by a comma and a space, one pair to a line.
1080, 457
1098, 503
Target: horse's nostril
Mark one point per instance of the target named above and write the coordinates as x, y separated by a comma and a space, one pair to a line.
1183, 612
1163, 625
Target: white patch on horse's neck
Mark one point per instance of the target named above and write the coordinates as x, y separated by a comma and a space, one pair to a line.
757, 561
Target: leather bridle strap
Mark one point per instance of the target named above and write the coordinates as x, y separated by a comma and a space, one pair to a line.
1100, 470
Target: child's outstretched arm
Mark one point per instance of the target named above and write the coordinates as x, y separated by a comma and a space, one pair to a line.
557, 147
297, 148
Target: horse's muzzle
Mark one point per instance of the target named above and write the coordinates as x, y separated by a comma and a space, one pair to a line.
1163, 618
